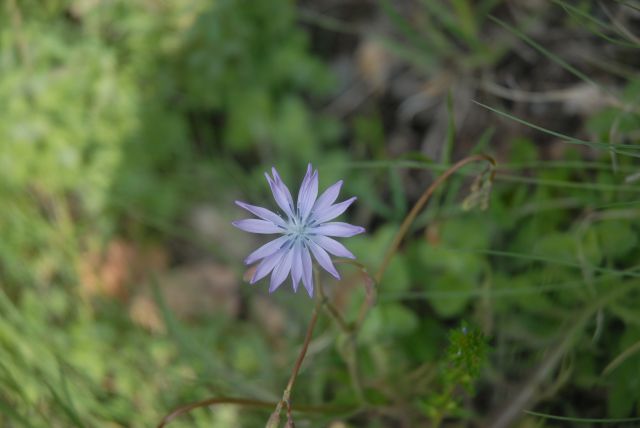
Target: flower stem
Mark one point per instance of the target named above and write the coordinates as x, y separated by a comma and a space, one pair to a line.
404, 227
333, 311
370, 293
350, 355
286, 395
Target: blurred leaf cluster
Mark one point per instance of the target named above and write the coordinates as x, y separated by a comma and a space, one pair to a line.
116, 117
90, 87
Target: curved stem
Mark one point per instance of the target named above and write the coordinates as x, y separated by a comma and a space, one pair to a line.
370, 292
333, 311
349, 355
210, 402
622, 357
404, 227
286, 395
247, 403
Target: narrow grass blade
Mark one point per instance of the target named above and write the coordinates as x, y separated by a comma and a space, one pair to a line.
404, 26
555, 58
502, 293
629, 4
572, 10
582, 420
621, 358
568, 139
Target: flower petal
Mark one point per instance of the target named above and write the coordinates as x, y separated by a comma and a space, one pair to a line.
328, 197
307, 271
267, 264
308, 193
333, 211
266, 250
323, 259
257, 226
283, 188
263, 213
296, 266
281, 193
281, 271
337, 228
334, 247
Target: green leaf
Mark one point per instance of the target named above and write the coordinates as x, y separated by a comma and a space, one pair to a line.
388, 320
473, 231
616, 238
556, 245
448, 306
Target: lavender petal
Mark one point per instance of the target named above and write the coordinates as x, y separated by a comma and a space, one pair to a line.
266, 265
266, 250
296, 266
328, 197
257, 226
323, 259
281, 271
283, 187
281, 194
307, 271
308, 193
333, 211
339, 229
263, 213
334, 247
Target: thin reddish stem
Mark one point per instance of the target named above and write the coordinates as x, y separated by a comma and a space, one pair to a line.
404, 227
275, 416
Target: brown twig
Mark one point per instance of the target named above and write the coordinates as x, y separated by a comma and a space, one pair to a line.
210, 402
404, 227
246, 403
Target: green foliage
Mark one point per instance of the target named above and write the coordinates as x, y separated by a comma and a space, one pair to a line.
114, 120
246, 61
449, 274
443, 34
466, 355
467, 352
118, 118
623, 383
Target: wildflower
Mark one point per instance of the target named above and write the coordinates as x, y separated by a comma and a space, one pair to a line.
305, 228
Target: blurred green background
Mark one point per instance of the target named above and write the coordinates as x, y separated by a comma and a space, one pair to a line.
128, 128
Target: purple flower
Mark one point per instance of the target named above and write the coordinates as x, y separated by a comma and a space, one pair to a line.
305, 230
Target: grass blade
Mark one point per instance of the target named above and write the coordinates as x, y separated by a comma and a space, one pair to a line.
572, 10
582, 420
555, 58
568, 139
621, 358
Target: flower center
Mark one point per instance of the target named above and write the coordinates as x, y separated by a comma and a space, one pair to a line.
298, 229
